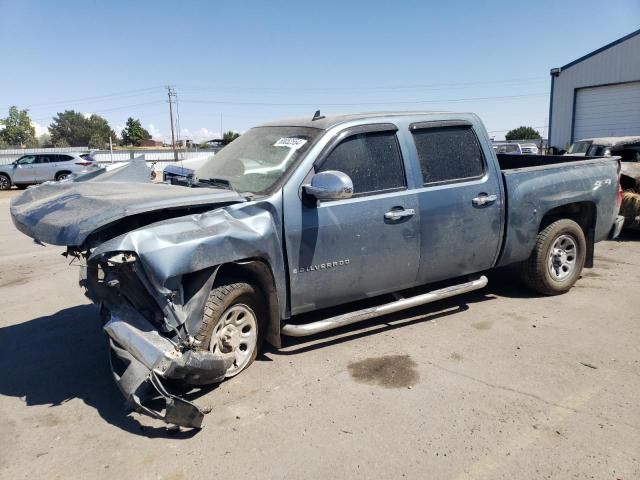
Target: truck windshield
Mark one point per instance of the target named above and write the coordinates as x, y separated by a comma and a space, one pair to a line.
580, 147
258, 159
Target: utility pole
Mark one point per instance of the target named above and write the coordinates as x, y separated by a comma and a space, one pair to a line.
172, 93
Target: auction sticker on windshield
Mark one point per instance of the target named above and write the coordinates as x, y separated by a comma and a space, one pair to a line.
291, 142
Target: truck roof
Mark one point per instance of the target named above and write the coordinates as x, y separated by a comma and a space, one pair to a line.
327, 121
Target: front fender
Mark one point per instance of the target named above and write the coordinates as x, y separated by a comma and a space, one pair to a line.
171, 249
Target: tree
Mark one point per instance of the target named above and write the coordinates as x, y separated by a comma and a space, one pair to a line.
133, 133
229, 137
71, 128
522, 133
18, 129
44, 140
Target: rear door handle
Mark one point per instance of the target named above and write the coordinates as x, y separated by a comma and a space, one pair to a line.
398, 214
483, 200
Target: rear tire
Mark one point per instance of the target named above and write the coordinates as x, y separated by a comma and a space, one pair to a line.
557, 259
62, 176
232, 324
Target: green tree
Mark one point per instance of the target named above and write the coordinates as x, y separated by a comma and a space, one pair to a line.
229, 137
18, 129
134, 133
71, 128
522, 133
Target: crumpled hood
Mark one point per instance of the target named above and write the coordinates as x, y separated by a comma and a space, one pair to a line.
65, 213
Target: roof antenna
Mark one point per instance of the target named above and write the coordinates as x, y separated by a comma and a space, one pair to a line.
317, 116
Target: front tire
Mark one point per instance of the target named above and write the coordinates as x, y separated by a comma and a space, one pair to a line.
232, 324
557, 258
5, 182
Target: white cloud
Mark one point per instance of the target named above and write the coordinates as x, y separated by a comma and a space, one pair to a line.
155, 133
200, 135
40, 129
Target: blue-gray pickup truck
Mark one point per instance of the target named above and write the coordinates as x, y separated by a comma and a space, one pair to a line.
296, 222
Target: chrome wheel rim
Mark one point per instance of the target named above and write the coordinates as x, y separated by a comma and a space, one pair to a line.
236, 336
4, 183
562, 257
62, 177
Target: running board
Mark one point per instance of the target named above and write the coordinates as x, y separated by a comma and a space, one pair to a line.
312, 328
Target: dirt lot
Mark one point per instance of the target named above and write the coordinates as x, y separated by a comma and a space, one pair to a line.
496, 384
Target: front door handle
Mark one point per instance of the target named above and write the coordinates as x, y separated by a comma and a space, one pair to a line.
400, 213
483, 200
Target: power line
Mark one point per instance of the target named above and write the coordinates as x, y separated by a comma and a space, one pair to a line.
122, 107
351, 104
449, 85
128, 93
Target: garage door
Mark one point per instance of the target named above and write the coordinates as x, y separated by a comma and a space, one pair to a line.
608, 111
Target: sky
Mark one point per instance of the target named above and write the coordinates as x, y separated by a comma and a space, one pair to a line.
237, 64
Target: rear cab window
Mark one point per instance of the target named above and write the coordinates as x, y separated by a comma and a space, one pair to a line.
448, 154
372, 160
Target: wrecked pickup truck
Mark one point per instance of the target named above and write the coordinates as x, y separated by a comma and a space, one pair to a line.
295, 221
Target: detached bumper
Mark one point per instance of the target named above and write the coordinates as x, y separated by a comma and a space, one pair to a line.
141, 358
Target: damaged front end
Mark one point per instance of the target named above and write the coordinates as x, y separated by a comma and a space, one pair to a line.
149, 346
149, 256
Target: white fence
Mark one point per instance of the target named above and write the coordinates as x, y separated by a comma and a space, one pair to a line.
163, 156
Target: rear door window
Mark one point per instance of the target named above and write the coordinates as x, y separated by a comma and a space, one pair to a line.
372, 160
44, 159
63, 158
448, 154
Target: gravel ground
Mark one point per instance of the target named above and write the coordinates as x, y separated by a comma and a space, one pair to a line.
494, 384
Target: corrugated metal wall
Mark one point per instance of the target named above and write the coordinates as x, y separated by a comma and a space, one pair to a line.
618, 64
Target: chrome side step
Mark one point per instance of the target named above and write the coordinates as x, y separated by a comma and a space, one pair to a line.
312, 328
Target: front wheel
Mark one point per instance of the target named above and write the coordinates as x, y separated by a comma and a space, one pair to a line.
232, 324
5, 183
557, 258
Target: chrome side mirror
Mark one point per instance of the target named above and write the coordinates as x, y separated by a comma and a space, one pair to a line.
329, 185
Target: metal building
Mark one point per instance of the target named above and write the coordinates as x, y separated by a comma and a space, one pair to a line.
597, 95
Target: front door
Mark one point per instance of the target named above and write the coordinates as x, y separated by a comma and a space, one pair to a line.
23, 169
345, 250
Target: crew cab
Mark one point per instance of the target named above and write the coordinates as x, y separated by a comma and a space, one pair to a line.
296, 222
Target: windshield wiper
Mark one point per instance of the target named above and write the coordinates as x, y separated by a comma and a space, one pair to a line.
216, 182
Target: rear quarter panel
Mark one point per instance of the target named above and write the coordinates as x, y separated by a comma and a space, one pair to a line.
533, 192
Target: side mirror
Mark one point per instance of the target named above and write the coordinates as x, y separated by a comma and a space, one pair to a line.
329, 185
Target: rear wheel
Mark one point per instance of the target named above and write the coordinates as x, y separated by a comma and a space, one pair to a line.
232, 324
5, 182
62, 176
557, 258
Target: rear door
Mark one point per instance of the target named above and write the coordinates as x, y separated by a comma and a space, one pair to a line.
345, 250
42, 168
460, 202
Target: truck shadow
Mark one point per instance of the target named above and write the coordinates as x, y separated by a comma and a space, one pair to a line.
56, 358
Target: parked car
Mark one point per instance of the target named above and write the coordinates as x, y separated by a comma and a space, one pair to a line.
301, 215
42, 167
516, 148
181, 172
628, 147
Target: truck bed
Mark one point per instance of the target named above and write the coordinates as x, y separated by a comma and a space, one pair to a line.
537, 184
512, 162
